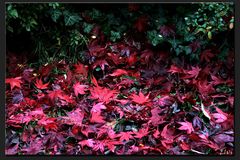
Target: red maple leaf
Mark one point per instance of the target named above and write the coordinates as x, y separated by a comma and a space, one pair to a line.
125, 82
167, 133
111, 144
132, 59
156, 134
100, 63
156, 119
66, 98
140, 99
167, 143
146, 55
111, 133
88, 142
141, 133
48, 123
205, 88
187, 126
102, 94
79, 89
206, 55
96, 117
119, 72
74, 117
54, 94
46, 69
165, 100
94, 81
97, 107
216, 80
185, 146
192, 73
81, 69
99, 145
37, 113
14, 82
39, 84
141, 23
126, 136
174, 69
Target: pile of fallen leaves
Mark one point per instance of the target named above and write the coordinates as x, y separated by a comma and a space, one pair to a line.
127, 101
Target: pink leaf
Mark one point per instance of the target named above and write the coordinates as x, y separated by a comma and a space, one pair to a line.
187, 126
97, 107
74, 117
79, 89
119, 72
88, 142
220, 116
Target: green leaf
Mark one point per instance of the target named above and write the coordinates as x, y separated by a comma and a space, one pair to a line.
71, 18
55, 15
188, 50
189, 37
177, 50
154, 37
201, 30
222, 56
14, 13
9, 28
98, 69
9, 7
159, 96
209, 35
87, 27
28, 28
115, 36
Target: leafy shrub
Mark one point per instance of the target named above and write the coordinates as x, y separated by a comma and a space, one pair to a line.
62, 31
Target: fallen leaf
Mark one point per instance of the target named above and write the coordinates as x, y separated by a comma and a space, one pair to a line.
39, 84
14, 82
79, 89
140, 99
187, 126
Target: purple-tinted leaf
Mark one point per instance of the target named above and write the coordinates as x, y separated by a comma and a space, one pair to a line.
223, 138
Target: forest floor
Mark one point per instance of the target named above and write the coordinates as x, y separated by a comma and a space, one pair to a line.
125, 102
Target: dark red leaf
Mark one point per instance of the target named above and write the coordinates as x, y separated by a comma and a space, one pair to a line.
14, 82
140, 99
39, 84
141, 23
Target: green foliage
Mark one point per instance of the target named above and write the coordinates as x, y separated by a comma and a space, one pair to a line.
61, 30
115, 36
87, 27
70, 18
154, 37
209, 18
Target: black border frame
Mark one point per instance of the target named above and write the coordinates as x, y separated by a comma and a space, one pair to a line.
177, 157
